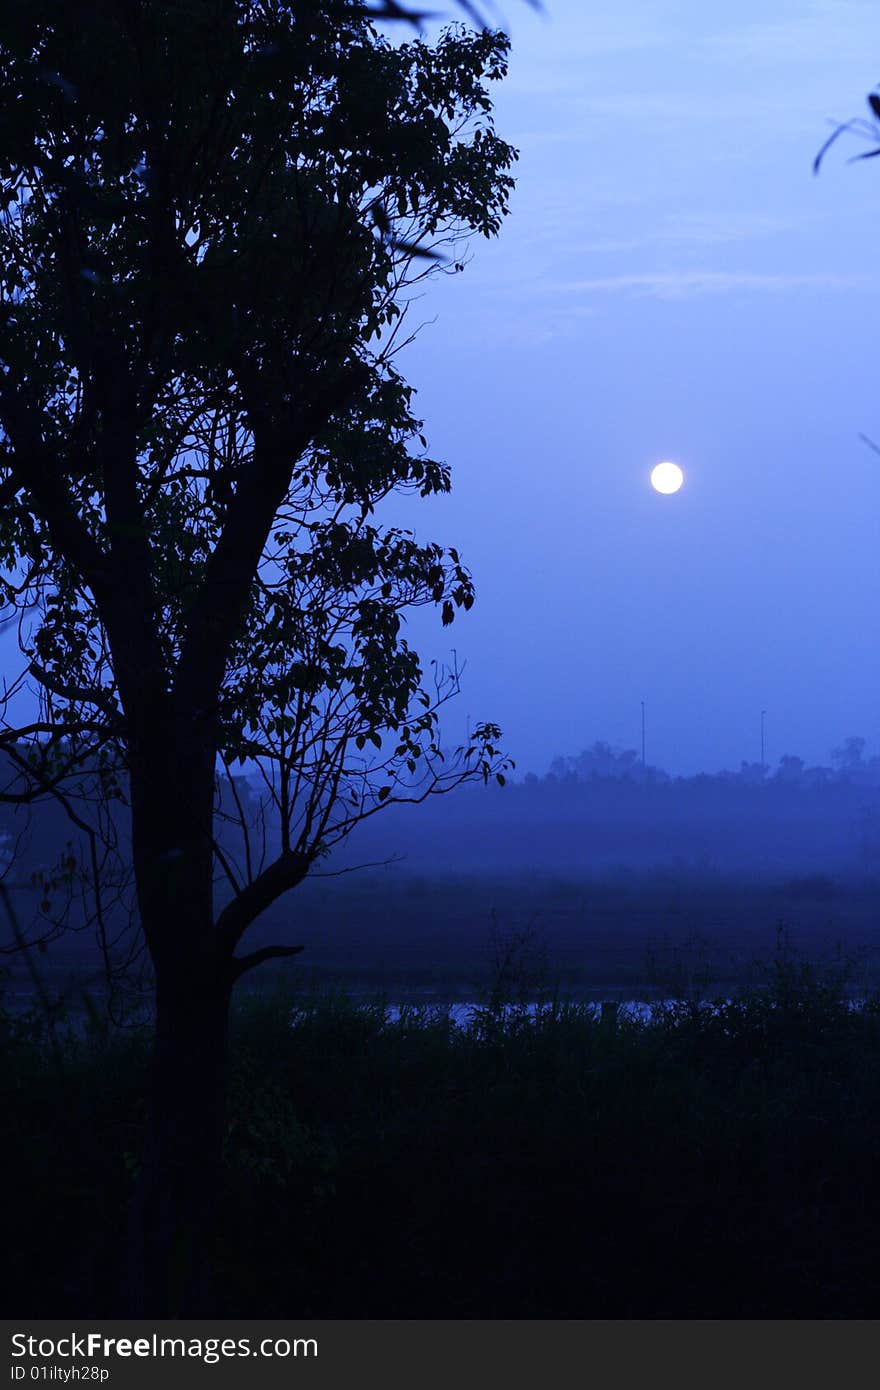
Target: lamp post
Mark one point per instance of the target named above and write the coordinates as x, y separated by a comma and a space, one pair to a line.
643, 735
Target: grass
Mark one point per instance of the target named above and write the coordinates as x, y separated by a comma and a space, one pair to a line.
719, 1160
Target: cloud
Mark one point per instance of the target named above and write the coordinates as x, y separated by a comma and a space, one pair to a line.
669, 65
687, 284
703, 229
825, 33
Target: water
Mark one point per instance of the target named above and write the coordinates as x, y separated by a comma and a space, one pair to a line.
463, 1015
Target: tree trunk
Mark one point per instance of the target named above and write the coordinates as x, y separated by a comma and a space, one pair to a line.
173, 1218
174, 1214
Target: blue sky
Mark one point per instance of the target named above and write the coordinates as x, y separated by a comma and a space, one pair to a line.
672, 282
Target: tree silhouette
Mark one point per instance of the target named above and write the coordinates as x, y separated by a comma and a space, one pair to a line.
213, 215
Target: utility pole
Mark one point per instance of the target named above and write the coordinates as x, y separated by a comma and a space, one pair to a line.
643, 735
763, 712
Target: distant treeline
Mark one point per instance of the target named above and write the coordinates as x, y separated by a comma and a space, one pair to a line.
601, 810
602, 761
598, 811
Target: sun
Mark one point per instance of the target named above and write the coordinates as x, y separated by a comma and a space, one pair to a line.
666, 477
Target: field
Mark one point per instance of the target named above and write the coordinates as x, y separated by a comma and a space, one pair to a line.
625, 935
632, 935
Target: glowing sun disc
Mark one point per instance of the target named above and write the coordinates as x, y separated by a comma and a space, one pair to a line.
666, 477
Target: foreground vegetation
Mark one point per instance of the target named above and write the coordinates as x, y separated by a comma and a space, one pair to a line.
713, 1162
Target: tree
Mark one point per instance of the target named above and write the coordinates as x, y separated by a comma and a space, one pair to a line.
790, 772
214, 212
600, 760
848, 758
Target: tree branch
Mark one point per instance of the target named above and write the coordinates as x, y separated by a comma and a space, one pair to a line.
241, 964
101, 699
216, 613
285, 873
34, 470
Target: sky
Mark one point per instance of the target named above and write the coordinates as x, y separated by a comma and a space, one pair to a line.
673, 282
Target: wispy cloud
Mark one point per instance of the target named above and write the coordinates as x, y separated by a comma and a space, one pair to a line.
555, 59
664, 66
686, 284
825, 32
701, 229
